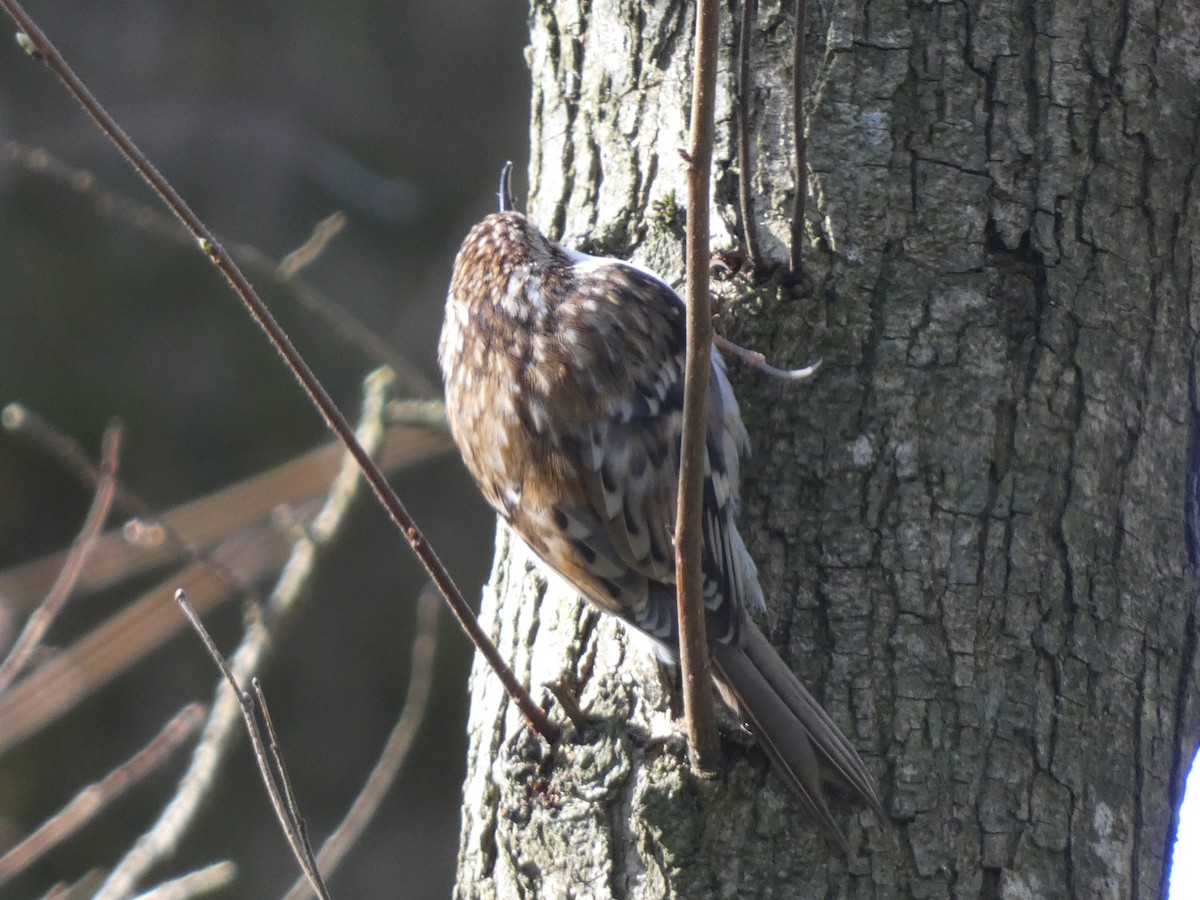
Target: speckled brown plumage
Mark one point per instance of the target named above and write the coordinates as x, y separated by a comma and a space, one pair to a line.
564, 389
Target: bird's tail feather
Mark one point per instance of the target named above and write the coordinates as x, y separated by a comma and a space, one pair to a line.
804, 744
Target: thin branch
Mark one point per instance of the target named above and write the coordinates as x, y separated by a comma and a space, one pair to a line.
204, 522
565, 694
193, 884
38, 623
341, 321
90, 801
430, 414
274, 779
164, 836
689, 531
150, 220
395, 749
127, 636
745, 164
249, 552
310, 251
67, 452
437, 571
147, 527
800, 140
756, 360
289, 812
82, 889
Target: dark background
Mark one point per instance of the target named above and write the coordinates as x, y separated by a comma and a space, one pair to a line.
267, 117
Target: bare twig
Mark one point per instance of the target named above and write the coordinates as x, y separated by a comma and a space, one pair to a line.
341, 320
38, 623
800, 140
85, 805
67, 452
745, 164
569, 701
42, 48
21, 420
689, 531
151, 221
429, 414
289, 810
130, 634
756, 360
252, 553
193, 884
395, 749
270, 767
81, 889
164, 836
202, 523
308, 252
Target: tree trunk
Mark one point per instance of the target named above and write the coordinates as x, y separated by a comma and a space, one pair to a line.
972, 526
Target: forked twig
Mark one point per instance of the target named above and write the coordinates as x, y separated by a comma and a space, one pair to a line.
164, 836
19, 419
270, 767
39, 622
213, 518
39, 46
699, 714
132, 632
248, 550
67, 452
395, 749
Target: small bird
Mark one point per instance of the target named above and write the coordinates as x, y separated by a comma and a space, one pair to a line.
564, 392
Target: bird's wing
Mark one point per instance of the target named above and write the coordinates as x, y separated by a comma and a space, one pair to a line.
625, 446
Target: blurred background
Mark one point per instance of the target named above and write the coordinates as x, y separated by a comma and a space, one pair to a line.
267, 117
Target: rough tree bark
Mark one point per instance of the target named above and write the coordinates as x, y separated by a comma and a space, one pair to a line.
971, 527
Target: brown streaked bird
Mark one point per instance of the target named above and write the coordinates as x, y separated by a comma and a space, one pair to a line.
564, 391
